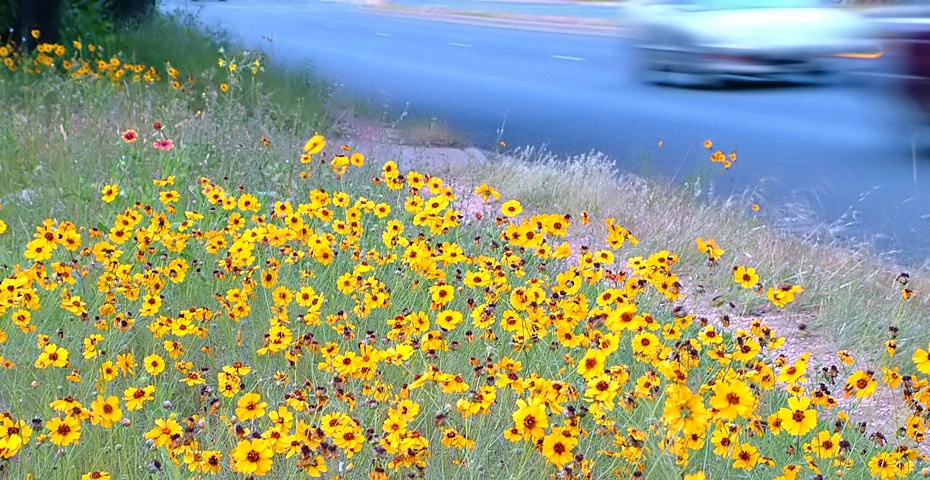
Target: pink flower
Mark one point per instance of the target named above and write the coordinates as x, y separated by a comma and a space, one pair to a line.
164, 144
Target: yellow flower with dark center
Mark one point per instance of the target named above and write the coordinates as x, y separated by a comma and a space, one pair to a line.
105, 411
441, 294
861, 383
783, 295
684, 411
557, 447
252, 457
164, 431
530, 419
154, 364
109, 193
884, 466
592, 363
746, 456
250, 406
511, 208
135, 398
52, 356
64, 431
798, 419
96, 475
732, 399
710, 248
315, 145
449, 319
825, 444
746, 277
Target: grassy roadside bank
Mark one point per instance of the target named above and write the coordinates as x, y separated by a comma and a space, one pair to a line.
191, 285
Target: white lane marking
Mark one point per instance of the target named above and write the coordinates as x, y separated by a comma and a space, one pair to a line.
382, 34
895, 76
457, 44
566, 57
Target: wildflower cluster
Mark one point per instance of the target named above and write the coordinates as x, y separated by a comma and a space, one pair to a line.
726, 160
91, 62
375, 327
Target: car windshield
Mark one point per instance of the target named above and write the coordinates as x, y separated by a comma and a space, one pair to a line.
741, 4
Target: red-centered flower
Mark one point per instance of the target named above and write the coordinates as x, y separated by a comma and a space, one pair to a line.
130, 136
164, 144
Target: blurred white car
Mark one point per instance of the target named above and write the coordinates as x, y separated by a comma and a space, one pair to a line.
708, 41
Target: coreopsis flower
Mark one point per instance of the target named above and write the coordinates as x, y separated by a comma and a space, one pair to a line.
884, 466
52, 356
592, 363
825, 444
349, 438
441, 294
315, 144
746, 277
130, 136
105, 411
732, 399
530, 419
453, 439
135, 398
861, 383
314, 466
745, 456
248, 203
109, 371
169, 196
252, 457
684, 411
792, 374
784, 295
96, 475
798, 419
557, 446
921, 359
210, 462
154, 364
601, 389
109, 193
892, 377
64, 431
228, 383
710, 248
487, 192
511, 208
449, 319
164, 431
250, 406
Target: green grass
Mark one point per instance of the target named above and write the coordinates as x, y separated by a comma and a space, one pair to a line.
63, 145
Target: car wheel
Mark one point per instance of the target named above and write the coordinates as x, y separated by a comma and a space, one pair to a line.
659, 67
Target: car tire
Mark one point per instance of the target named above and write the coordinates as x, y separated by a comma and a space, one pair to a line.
655, 68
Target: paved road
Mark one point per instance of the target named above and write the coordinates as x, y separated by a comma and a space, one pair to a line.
844, 152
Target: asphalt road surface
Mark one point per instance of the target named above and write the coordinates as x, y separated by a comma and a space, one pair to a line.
848, 153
